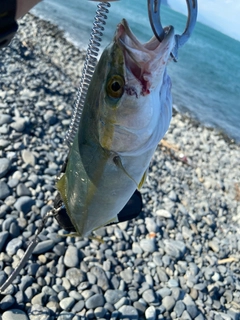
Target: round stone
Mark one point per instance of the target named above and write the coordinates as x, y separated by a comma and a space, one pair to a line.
5, 165
13, 246
14, 314
97, 300
148, 245
150, 313
168, 302
24, 204
4, 190
71, 257
67, 303
128, 312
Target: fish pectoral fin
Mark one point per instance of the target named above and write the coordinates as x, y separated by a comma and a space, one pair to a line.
144, 178
118, 162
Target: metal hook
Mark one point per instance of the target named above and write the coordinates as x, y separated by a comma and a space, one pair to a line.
155, 21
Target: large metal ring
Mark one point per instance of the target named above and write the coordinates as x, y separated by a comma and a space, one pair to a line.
155, 21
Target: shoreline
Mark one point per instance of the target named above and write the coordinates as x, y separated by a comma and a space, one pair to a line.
185, 113
179, 259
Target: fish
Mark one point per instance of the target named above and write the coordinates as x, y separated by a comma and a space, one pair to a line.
127, 111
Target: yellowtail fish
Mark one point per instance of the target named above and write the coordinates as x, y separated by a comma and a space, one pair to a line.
127, 111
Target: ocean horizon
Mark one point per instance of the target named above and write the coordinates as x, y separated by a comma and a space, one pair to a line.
206, 78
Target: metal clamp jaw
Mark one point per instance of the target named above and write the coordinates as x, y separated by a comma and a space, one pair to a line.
155, 21
6, 36
8, 25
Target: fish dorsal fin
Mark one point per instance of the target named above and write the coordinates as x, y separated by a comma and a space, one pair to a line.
118, 162
144, 178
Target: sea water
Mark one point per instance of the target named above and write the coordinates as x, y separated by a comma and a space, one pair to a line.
206, 78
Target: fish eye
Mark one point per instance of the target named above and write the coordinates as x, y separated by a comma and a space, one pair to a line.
115, 87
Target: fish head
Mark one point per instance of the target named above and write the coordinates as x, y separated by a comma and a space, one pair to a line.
135, 74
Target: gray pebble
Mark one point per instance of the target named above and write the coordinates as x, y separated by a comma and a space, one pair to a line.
186, 315
164, 292
78, 306
18, 124
38, 312
168, 302
149, 296
67, 303
136, 248
39, 299
128, 312
5, 165
28, 157
3, 238
4, 190
127, 275
97, 300
150, 313
100, 312
179, 308
163, 277
71, 257
173, 283
43, 246
102, 280
5, 119
173, 248
24, 204
192, 310
22, 190
163, 214
7, 302
14, 314
75, 276
13, 246
123, 301
148, 245
26, 281
112, 296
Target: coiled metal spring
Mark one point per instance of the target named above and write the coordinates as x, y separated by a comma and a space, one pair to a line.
88, 69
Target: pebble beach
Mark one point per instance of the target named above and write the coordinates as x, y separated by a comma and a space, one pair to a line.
180, 259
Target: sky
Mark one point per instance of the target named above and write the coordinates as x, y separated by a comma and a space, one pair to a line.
223, 15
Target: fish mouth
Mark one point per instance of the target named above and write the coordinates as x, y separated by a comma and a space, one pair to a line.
144, 59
